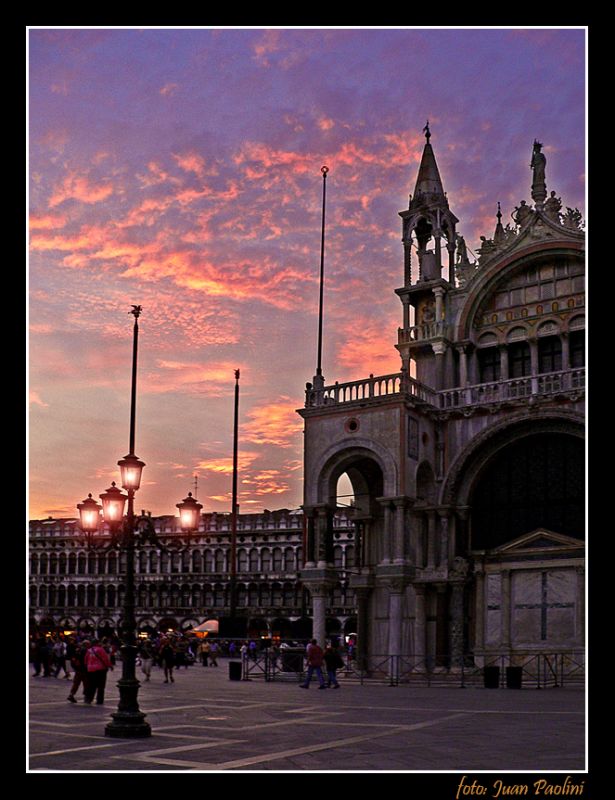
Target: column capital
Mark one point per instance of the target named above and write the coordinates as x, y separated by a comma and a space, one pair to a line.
445, 512
397, 501
439, 348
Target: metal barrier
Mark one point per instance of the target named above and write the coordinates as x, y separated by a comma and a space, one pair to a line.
514, 670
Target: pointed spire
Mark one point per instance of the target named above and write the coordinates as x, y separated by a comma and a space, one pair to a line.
428, 182
499, 237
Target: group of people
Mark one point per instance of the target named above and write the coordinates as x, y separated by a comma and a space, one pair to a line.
88, 660
316, 657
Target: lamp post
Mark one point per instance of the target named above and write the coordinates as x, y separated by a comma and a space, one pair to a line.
129, 721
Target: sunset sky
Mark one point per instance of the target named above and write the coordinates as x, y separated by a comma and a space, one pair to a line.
179, 169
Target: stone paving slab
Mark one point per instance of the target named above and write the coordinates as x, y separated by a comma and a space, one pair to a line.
205, 722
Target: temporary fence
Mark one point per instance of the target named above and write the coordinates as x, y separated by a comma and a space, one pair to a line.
494, 670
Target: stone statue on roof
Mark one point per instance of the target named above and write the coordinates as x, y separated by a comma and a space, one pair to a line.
538, 165
553, 207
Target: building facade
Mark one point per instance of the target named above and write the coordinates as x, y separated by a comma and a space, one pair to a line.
467, 466
180, 582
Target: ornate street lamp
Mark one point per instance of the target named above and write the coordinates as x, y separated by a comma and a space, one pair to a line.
89, 517
128, 721
113, 502
125, 528
189, 514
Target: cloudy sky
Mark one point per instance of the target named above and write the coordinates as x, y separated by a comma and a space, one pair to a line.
179, 169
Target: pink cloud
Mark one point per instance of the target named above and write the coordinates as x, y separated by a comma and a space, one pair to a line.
47, 222
35, 399
168, 89
274, 423
79, 187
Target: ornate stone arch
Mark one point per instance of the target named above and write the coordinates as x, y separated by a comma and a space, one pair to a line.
497, 271
337, 458
457, 487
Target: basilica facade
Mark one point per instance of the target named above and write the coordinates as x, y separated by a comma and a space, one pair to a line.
467, 466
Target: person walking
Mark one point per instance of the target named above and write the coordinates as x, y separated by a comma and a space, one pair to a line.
59, 658
167, 658
146, 654
79, 669
213, 654
333, 662
204, 649
315, 655
97, 664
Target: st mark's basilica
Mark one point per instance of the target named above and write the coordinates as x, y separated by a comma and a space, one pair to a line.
466, 534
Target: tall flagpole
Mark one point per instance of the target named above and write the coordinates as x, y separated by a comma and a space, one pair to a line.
233, 570
324, 171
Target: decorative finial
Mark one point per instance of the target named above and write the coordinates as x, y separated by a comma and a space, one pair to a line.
426, 131
136, 311
236, 374
499, 214
324, 171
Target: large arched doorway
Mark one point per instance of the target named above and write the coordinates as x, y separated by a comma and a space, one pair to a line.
526, 540
537, 482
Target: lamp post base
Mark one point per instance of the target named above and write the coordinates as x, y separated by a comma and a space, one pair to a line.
128, 722
127, 725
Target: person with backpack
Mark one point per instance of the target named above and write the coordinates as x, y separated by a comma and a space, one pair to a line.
97, 664
79, 669
333, 662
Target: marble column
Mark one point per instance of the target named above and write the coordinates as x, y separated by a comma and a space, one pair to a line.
324, 536
450, 246
444, 514
309, 559
456, 629
419, 627
439, 295
406, 306
534, 361
384, 548
362, 596
320, 594
431, 539
439, 349
396, 589
399, 527
479, 610
504, 371
565, 340
580, 606
506, 607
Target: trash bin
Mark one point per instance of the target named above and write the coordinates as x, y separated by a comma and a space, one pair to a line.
292, 659
491, 676
234, 670
514, 677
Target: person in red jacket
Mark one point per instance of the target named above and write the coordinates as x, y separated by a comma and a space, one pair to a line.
314, 655
97, 664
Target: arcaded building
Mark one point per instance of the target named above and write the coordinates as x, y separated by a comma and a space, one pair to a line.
181, 582
467, 465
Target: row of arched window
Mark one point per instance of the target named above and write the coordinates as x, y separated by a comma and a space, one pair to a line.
174, 596
263, 560
549, 357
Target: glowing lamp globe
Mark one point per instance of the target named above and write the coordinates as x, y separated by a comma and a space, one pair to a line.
89, 515
113, 504
189, 513
131, 468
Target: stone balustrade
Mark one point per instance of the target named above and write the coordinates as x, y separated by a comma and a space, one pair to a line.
396, 385
422, 332
367, 389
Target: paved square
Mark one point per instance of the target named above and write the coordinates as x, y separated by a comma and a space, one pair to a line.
204, 721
